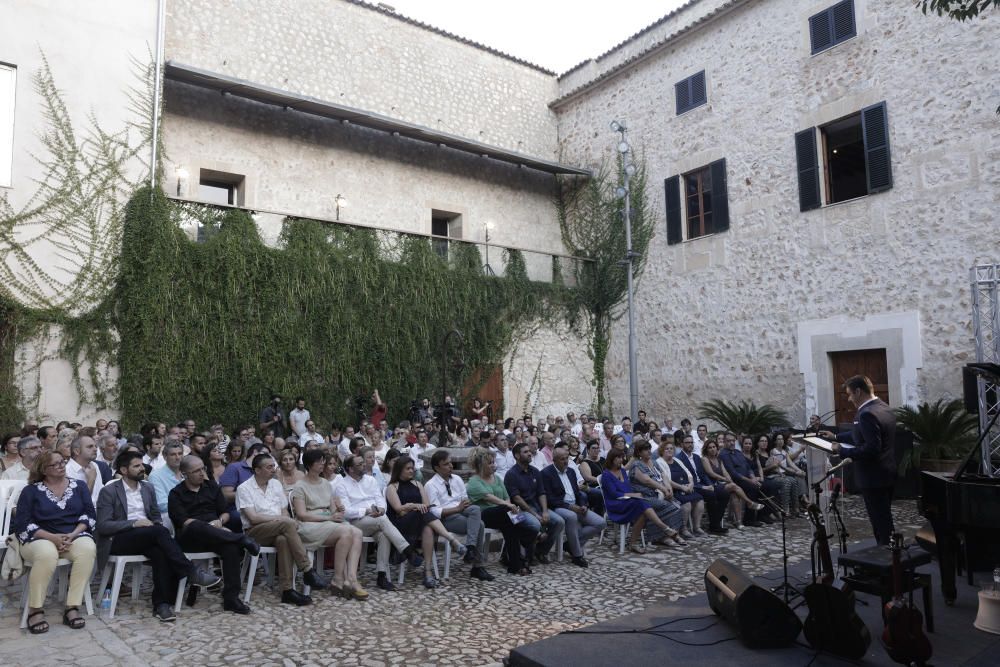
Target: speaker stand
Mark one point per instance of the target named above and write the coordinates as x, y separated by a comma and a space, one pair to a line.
785, 589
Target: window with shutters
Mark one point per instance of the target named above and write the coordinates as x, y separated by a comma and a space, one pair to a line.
852, 156
832, 26
697, 203
691, 92
8, 80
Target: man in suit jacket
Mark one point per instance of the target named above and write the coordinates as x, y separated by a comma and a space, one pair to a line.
870, 444
129, 523
715, 495
566, 500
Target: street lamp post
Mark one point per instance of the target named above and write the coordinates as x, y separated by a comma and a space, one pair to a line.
624, 193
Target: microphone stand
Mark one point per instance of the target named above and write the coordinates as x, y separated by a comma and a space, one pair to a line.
784, 587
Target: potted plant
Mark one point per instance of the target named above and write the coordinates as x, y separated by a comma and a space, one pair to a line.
943, 432
744, 417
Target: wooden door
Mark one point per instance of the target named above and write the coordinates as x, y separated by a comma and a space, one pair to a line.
858, 362
489, 390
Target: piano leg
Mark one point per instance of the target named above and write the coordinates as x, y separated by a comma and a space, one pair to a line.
947, 549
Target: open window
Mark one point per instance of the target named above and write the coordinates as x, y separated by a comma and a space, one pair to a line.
445, 225
220, 187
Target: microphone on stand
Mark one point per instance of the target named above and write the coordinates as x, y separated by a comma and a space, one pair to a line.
807, 430
829, 473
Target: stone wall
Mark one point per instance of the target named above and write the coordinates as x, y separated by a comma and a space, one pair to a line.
353, 54
720, 316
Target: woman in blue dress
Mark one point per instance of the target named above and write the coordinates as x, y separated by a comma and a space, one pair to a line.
624, 505
55, 519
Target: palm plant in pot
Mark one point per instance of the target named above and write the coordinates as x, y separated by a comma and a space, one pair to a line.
744, 417
942, 433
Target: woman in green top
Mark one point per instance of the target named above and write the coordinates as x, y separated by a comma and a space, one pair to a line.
487, 491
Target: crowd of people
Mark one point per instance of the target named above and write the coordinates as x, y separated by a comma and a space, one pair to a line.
91, 492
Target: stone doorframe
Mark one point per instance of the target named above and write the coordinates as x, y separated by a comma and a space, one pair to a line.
898, 333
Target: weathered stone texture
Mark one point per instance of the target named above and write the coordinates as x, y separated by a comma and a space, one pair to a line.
353, 55
717, 316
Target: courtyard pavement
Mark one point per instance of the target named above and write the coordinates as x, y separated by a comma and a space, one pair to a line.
463, 622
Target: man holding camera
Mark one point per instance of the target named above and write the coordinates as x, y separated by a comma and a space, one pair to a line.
272, 419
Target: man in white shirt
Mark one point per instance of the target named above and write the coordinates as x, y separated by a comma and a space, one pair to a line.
263, 508
153, 444
82, 465
107, 449
298, 417
564, 497
607, 431
344, 448
538, 460
422, 445
575, 425
28, 447
504, 457
450, 503
700, 436
310, 435
364, 507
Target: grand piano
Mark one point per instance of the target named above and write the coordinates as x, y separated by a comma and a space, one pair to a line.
964, 512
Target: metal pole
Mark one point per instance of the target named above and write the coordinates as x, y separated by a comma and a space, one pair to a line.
633, 369
157, 84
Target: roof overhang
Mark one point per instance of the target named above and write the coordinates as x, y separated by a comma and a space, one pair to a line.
228, 85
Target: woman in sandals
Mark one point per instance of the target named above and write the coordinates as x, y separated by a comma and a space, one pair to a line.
624, 505
55, 519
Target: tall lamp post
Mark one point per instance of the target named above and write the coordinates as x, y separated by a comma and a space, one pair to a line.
623, 192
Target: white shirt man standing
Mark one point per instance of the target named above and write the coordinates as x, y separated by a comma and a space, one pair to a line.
298, 417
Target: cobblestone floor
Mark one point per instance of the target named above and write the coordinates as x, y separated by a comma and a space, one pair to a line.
463, 622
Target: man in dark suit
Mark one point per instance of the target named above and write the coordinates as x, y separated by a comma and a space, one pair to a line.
566, 500
870, 445
715, 495
129, 523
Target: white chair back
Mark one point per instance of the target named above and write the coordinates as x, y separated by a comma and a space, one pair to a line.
10, 490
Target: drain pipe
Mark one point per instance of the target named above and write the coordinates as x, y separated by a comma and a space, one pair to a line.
157, 85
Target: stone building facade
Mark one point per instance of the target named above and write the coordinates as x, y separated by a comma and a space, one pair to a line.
785, 280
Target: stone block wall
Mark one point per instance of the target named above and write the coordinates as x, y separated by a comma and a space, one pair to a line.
718, 316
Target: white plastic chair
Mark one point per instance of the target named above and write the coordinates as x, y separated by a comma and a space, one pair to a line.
182, 584
62, 572
10, 490
622, 530
251, 565
120, 563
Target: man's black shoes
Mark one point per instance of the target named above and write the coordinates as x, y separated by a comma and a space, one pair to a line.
292, 596
236, 606
313, 579
580, 561
481, 574
471, 554
250, 546
384, 583
165, 613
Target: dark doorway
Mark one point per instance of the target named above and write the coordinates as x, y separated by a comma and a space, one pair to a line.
858, 362
490, 389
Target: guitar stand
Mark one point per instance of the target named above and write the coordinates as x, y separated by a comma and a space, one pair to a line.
784, 589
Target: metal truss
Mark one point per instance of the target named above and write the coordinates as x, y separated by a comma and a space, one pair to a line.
986, 324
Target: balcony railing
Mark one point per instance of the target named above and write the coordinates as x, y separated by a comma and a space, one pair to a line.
195, 221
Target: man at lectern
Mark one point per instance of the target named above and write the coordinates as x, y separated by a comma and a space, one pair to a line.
870, 444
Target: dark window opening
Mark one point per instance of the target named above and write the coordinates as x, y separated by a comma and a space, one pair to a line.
698, 200
691, 92
844, 153
442, 230
832, 26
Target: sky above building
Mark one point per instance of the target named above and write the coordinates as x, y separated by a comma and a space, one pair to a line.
556, 34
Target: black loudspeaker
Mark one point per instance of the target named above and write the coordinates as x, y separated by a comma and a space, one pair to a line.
970, 390
761, 618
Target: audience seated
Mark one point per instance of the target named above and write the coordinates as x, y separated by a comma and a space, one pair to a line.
776, 484
524, 486
197, 509
28, 448
716, 497
321, 518
55, 519
489, 492
645, 478
130, 522
692, 504
565, 499
263, 509
715, 471
450, 502
626, 505
364, 507
409, 510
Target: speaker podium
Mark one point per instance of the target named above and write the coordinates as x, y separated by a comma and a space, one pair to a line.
760, 617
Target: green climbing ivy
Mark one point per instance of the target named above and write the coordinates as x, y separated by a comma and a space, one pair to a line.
591, 219
209, 330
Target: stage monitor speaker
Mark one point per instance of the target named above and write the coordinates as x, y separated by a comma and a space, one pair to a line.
761, 618
970, 390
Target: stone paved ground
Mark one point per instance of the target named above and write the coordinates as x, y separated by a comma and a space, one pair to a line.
461, 623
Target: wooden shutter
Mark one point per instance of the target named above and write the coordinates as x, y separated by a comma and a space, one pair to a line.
808, 166
875, 133
698, 94
720, 198
842, 21
683, 94
672, 192
820, 34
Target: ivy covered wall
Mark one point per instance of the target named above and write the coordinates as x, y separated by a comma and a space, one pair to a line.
208, 330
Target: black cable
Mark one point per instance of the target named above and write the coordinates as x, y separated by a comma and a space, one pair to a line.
641, 630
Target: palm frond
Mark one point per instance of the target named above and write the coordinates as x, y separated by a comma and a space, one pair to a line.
743, 417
